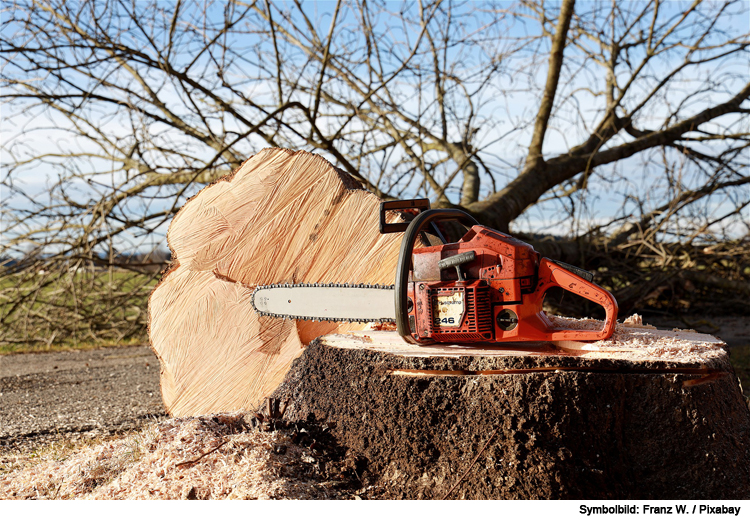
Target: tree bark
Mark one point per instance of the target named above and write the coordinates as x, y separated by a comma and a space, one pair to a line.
647, 414
553, 79
470, 187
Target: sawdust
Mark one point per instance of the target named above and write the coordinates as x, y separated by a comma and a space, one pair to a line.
209, 457
381, 327
636, 320
643, 341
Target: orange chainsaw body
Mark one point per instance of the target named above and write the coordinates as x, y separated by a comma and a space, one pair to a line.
494, 295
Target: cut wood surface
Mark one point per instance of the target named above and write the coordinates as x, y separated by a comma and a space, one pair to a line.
646, 414
283, 216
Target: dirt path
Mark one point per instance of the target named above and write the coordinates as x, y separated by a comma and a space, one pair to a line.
51, 396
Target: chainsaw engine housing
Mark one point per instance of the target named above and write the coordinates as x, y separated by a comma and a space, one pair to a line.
476, 301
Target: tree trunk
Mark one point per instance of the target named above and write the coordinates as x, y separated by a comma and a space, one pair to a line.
647, 414
281, 217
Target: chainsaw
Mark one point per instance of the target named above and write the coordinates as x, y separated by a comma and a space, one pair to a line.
487, 287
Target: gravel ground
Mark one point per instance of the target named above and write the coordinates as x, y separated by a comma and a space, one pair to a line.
71, 395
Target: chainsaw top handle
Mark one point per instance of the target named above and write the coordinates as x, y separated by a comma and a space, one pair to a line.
416, 226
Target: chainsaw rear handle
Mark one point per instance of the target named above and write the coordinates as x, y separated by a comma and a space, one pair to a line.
553, 274
404, 259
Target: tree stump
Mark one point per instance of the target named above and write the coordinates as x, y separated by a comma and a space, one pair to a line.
647, 414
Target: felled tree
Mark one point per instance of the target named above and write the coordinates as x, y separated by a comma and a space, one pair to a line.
281, 217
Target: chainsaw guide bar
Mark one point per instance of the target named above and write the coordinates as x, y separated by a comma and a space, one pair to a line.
373, 303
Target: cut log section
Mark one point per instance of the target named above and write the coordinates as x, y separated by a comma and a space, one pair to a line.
647, 414
283, 216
